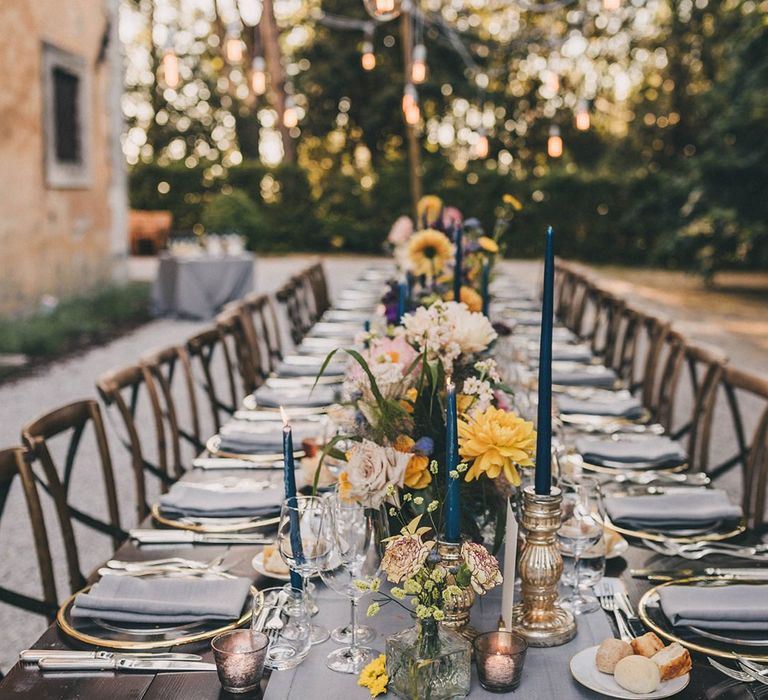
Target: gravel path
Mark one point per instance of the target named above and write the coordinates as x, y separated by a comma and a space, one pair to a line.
73, 379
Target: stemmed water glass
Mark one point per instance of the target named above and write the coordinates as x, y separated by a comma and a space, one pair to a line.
580, 537
357, 554
305, 540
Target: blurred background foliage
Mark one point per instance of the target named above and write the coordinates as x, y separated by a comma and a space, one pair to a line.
672, 171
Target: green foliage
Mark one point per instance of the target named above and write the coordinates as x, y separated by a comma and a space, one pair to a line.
76, 322
233, 211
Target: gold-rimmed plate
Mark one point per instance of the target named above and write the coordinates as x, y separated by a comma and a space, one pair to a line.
132, 637
602, 469
209, 526
650, 612
727, 531
598, 421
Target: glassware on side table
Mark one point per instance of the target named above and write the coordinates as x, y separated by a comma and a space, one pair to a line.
289, 641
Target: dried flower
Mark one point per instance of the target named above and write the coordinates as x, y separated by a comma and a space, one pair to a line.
482, 566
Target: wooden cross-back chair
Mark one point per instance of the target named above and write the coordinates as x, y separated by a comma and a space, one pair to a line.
213, 366
259, 319
654, 331
623, 360
318, 282
604, 322
168, 367
56, 479
247, 374
293, 296
122, 389
14, 466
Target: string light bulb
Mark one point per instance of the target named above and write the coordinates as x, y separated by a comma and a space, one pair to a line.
552, 81
171, 68
419, 64
582, 116
368, 58
482, 146
233, 46
611, 5
290, 116
554, 142
383, 10
410, 98
413, 114
259, 75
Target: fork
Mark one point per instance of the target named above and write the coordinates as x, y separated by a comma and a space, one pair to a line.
608, 603
275, 622
731, 673
756, 671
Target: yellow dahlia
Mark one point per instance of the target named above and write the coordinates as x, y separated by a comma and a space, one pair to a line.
428, 209
495, 440
417, 474
429, 251
514, 202
488, 244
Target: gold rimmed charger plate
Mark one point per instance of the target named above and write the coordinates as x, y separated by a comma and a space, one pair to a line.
67, 628
683, 539
293, 412
578, 420
600, 469
214, 443
650, 599
209, 528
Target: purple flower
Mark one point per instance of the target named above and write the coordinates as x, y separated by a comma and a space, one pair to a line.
425, 445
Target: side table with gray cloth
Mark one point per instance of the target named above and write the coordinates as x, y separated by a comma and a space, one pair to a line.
198, 287
545, 675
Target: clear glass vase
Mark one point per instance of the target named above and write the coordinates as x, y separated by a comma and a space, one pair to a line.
427, 662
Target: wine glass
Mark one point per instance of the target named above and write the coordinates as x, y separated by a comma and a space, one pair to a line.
305, 540
357, 554
579, 538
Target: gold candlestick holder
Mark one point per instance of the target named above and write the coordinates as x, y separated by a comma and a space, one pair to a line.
538, 618
458, 609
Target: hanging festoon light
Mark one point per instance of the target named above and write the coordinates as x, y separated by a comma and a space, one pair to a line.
367, 57
582, 116
170, 68
383, 10
250, 11
233, 46
611, 5
290, 116
482, 146
411, 108
419, 64
554, 142
552, 81
259, 75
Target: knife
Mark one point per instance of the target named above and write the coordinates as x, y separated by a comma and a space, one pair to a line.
34, 655
122, 664
232, 463
658, 575
149, 536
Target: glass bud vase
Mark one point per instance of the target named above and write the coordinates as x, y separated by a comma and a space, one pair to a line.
428, 662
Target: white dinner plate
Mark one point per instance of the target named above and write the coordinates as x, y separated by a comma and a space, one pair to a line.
258, 563
619, 546
585, 671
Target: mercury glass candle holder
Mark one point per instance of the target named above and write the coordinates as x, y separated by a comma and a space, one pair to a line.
240, 657
500, 657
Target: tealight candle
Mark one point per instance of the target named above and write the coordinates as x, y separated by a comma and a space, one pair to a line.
240, 657
500, 657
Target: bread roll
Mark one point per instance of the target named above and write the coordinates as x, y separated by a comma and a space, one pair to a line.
647, 645
637, 674
610, 652
273, 562
673, 661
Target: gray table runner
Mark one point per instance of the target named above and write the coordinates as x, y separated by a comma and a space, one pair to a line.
546, 673
199, 287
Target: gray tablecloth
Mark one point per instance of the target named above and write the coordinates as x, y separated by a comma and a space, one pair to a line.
546, 673
199, 287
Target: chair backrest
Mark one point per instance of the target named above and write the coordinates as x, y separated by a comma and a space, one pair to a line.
653, 331
14, 465
624, 358
213, 366
247, 362
318, 282
171, 371
293, 296
124, 389
56, 479
261, 324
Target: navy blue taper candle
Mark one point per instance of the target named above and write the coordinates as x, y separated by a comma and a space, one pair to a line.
543, 481
289, 480
452, 502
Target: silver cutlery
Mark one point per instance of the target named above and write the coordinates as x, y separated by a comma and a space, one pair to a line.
213, 463
275, 622
634, 623
122, 664
731, 673
269, 604
608, 603
701, 550
647, 477
739, 574
168, 561
149, 536
618, 428
34, 655
755, 671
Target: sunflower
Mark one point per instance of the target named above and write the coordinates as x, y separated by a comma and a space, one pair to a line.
428, 209
488, 244
429, 251
495, 441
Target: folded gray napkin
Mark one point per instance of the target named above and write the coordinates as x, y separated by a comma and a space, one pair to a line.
163, 600
693, 509
645, 450
322, 395
738, 607
594, 375
252, 437
187, 499
340, 316
307, 366
620, 407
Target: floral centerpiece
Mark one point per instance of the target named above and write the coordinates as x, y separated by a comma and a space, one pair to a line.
428, 661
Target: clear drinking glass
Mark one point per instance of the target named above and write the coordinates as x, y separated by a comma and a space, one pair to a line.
357, 555
289, 640
579, 536
305, 540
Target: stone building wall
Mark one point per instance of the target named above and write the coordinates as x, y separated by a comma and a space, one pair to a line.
58, 237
